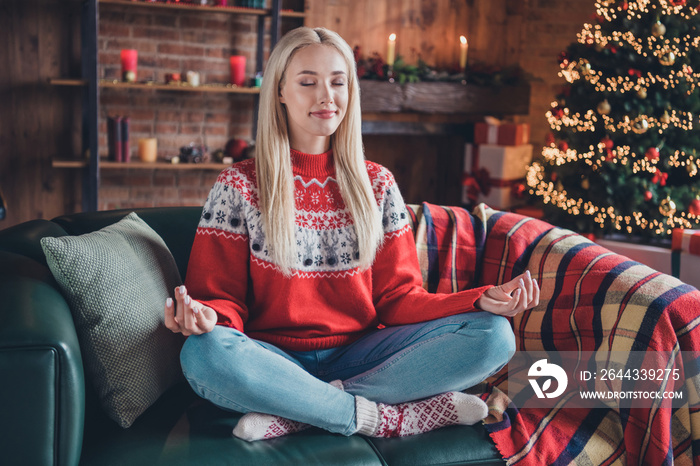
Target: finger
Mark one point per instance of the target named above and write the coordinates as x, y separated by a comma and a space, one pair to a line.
206, 319
535, 293
170, 316
512, 285
190, 323
498, 294
515, 299
528, 286
180, 293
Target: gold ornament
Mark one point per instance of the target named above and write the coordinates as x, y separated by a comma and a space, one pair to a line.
604, 107
667, 58
585, 184
658, 29
692, 169
642, 93
586, 68
667, 207
559, 187
640, 125
665, 118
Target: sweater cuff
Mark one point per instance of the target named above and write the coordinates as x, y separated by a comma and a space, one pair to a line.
366, 416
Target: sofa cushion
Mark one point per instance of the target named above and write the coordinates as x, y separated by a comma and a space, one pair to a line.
116, 281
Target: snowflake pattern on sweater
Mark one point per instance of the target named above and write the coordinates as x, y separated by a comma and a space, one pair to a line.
326, 238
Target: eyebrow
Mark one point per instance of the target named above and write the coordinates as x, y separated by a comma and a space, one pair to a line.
313, 73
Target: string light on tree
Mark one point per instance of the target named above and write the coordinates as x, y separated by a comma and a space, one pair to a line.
624, 128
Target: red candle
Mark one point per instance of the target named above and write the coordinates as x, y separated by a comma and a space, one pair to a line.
129, 60
237, 70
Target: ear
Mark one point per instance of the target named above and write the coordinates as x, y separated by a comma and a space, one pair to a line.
281, 97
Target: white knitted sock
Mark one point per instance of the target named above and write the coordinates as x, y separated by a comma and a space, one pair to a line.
258, 426
416, 417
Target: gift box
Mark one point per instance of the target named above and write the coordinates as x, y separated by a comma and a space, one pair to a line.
685, 255
502, 134
495, 175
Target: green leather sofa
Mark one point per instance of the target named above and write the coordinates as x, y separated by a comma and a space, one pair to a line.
49, 415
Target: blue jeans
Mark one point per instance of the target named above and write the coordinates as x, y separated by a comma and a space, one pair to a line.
390, 365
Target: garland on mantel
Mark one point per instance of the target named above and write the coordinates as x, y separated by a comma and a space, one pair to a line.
375, 68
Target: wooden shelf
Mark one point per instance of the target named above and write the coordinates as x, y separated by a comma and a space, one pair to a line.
220, 88
136, 165
67, 82
292, 14
180, 87
236, 10
69, 163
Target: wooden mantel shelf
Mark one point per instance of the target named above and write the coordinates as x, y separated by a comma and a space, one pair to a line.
435, 108
382, 97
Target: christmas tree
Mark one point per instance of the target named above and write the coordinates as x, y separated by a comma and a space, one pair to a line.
623, 153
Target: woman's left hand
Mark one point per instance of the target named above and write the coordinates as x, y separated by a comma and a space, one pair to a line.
511, 298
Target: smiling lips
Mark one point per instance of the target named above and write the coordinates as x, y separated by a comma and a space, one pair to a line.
325, 114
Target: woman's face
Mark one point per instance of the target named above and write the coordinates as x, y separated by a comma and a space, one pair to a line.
315, 93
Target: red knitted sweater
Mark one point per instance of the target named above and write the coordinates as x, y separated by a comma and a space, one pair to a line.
328, 301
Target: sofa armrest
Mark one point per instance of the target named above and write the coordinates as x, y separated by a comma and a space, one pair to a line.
42, 397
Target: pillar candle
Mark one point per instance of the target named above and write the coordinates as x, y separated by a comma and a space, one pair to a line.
391, 52
463, 46
148, 149
129, 59
237, 70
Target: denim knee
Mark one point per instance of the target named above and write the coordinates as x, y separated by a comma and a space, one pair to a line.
499, 338
202, 354
492, 335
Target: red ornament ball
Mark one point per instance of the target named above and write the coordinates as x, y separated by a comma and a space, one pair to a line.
652, 153
677, 2
607, 143
589, 236
694, 208
549, 139
235, 148
563, 146
647, 195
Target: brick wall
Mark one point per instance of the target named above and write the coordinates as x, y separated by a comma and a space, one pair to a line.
177, 42
167, 42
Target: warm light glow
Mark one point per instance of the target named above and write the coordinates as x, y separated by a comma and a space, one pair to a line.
392, 37
463, 40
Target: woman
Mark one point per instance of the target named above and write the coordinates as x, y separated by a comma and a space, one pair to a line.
302, 253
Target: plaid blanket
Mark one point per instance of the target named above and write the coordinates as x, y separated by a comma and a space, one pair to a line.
591, 300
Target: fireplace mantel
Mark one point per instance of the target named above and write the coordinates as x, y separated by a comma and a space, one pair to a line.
436, 107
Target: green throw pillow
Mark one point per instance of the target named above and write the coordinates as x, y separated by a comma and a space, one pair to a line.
116, 281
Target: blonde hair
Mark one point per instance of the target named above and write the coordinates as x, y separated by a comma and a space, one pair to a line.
273, 157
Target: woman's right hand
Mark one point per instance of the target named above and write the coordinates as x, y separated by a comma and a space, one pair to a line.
511, 298
187, 316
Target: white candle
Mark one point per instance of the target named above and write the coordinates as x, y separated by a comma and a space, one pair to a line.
464, 46
391, 53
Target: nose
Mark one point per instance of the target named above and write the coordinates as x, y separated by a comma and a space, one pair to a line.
326, 94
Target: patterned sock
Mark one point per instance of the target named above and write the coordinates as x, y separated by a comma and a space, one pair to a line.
416, 417
258, 426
